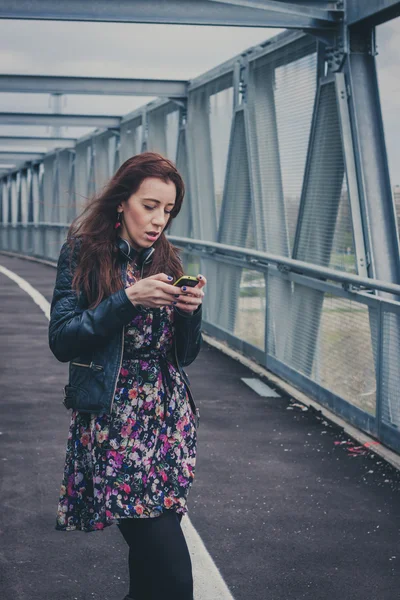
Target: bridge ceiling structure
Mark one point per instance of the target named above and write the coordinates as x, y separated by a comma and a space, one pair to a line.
239, 13
289, 198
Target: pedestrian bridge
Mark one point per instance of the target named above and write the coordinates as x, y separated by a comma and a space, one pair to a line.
285, 504
287, 155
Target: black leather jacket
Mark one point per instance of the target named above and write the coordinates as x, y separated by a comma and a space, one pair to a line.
92, 339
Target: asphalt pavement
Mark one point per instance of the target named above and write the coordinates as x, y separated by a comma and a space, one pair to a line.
286, 504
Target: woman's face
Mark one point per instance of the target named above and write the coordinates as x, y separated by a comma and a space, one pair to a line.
146, 213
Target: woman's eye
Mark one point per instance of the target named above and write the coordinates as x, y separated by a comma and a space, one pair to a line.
167, 212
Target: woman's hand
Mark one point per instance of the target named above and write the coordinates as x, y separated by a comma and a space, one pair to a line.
191, 297
153, 292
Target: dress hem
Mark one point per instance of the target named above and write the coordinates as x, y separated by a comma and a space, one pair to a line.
113, 522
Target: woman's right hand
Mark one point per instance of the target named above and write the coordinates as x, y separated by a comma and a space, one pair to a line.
154, 291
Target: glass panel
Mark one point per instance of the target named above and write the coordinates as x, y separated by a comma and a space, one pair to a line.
390, 371
236, 224
250, 317
295, 87
326, 234
344, 358
328, 339
343, 249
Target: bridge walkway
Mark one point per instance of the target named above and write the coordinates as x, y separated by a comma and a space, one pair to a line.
285, 503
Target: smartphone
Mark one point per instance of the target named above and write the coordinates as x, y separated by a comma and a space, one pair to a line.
186, 280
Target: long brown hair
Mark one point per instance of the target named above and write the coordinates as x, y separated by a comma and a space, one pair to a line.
98, 271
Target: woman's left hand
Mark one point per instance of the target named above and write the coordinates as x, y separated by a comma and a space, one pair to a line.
190, 298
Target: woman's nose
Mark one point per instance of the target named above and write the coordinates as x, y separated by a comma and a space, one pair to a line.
159, 219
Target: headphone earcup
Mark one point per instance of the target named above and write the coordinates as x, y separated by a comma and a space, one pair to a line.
125, 249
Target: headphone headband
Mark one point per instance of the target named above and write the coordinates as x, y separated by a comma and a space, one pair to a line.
127, 252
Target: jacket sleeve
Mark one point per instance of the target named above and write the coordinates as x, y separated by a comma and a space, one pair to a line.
188, 335
74, 331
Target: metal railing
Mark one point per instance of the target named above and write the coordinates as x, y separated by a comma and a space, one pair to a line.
280, 303
355, 321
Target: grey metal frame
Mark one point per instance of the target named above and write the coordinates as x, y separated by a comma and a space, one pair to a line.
64, 120
268, 13
248, 251
43, 84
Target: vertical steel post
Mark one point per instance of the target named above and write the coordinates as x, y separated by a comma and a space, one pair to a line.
372, 162
157, 139
129, 139
201, 188
182, 225
378, 209
351, 173
237, 202
33, 202
63, 186
269, 209
71, 188
48, 187
14, 197
269, 215
2, 190
91, 156
81, 175
100, 160
24, 232
145, 131
24, 195
31, 210
200, 166
9, 202
19, 198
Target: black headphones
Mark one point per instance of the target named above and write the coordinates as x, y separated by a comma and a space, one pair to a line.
127, 252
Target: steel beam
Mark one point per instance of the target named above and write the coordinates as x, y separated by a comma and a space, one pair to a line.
181, 12
54, 120
376, 11
321, 16
18, 157
35, 142
46, 84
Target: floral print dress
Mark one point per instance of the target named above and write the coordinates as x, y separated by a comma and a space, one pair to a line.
139, 460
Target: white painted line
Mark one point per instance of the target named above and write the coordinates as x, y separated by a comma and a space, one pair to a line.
36, 296
261, 388
208, 581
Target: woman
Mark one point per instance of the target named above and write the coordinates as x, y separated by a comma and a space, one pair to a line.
127, 332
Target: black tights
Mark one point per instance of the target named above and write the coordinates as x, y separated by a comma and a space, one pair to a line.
159, 560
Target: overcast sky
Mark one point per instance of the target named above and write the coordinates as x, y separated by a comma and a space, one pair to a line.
153, 51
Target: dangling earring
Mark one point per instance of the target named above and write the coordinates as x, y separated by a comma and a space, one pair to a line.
118, 223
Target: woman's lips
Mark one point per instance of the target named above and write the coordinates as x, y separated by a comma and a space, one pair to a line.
152, 236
